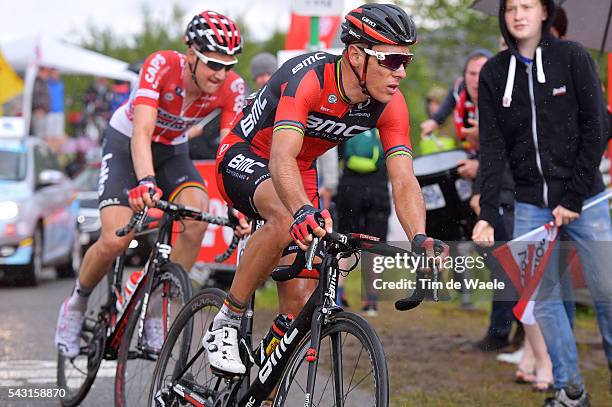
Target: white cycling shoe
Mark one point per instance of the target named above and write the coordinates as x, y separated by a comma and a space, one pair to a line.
154, 333
222, 348
68, 331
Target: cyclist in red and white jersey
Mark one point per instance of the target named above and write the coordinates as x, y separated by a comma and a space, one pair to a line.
265, 166
145, 149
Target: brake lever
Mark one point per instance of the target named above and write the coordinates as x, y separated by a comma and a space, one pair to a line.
311, 252
435, 278
141, 219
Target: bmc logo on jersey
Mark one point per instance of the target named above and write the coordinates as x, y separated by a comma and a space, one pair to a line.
153, 69
308, 61
332, 130
244, 164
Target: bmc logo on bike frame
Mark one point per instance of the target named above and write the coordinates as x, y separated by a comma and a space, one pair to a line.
275, 356
330, 127
244, 164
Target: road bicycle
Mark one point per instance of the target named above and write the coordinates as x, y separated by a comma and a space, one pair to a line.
116, 331
326, 357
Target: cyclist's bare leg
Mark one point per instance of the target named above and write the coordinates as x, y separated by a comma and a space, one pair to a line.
187, 246
96, 263
264, 248
100, 256
293, 294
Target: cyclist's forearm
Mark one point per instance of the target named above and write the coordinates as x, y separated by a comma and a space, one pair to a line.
409, 205
142, 156
288, 182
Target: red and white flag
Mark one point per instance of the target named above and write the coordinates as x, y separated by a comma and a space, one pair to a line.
524, 259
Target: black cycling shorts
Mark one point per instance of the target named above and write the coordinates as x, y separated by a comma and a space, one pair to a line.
240, 171
174, 170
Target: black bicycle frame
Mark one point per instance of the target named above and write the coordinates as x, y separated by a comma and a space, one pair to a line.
310, 319
159, 256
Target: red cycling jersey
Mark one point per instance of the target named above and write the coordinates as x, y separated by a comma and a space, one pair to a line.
306, 95
161, 87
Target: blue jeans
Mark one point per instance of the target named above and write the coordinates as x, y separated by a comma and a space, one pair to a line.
592, 236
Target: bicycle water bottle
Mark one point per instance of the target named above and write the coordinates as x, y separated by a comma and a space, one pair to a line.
128, 290
269, 342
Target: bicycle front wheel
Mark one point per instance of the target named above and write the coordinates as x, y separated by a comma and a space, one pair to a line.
136, 361
183, 360
351, 368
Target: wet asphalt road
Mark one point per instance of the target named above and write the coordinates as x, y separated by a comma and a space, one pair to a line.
27, 354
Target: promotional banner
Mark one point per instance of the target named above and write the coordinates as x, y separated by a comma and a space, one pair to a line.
298, 36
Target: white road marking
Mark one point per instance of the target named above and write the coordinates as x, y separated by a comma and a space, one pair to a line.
27, 372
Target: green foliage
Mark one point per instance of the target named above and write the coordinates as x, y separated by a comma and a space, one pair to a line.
448, 30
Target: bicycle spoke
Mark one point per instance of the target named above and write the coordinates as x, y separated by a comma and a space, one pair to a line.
355, 368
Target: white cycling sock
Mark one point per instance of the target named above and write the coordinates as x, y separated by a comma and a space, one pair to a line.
230, 313
80, 296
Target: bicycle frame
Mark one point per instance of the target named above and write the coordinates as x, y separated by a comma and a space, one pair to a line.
319, 306
159, 256
310, 319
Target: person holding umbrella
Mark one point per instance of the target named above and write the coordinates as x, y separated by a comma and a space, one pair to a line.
540, 110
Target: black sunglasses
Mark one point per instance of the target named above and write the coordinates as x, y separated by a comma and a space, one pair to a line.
390, 60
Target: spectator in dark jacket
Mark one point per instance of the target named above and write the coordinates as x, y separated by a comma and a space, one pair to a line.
541, 112
41, 103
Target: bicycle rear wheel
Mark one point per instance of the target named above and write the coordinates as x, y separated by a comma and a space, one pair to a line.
76, 376
135, 365
351, 371
189, 328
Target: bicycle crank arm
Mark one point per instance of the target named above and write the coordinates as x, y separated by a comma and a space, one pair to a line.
185, 395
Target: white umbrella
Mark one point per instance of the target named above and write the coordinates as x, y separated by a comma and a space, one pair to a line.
588, 20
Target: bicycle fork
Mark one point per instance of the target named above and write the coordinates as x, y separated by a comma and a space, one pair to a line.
322, 312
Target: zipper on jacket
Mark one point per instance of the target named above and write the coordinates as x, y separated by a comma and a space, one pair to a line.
534, 133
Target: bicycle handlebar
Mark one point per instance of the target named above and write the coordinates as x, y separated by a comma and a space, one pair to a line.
177, 211
353, 242
229, 251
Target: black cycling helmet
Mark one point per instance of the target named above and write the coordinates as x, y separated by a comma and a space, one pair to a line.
379, 24
211, 31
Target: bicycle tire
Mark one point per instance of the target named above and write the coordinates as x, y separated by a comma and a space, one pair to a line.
133, 379
93, 329
209, 297
342, 323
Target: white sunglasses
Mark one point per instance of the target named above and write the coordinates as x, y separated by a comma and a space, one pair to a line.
215, 64
390, 60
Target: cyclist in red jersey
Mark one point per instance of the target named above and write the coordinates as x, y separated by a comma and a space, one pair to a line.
145, 150
265, 166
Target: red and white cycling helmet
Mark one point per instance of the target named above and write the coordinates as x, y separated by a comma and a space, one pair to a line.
211, 31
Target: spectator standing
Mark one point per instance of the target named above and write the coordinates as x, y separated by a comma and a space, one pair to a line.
263, 65
363, 200
443, 137
97, 108
41, 103
55, 122
467, 129
553, 87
